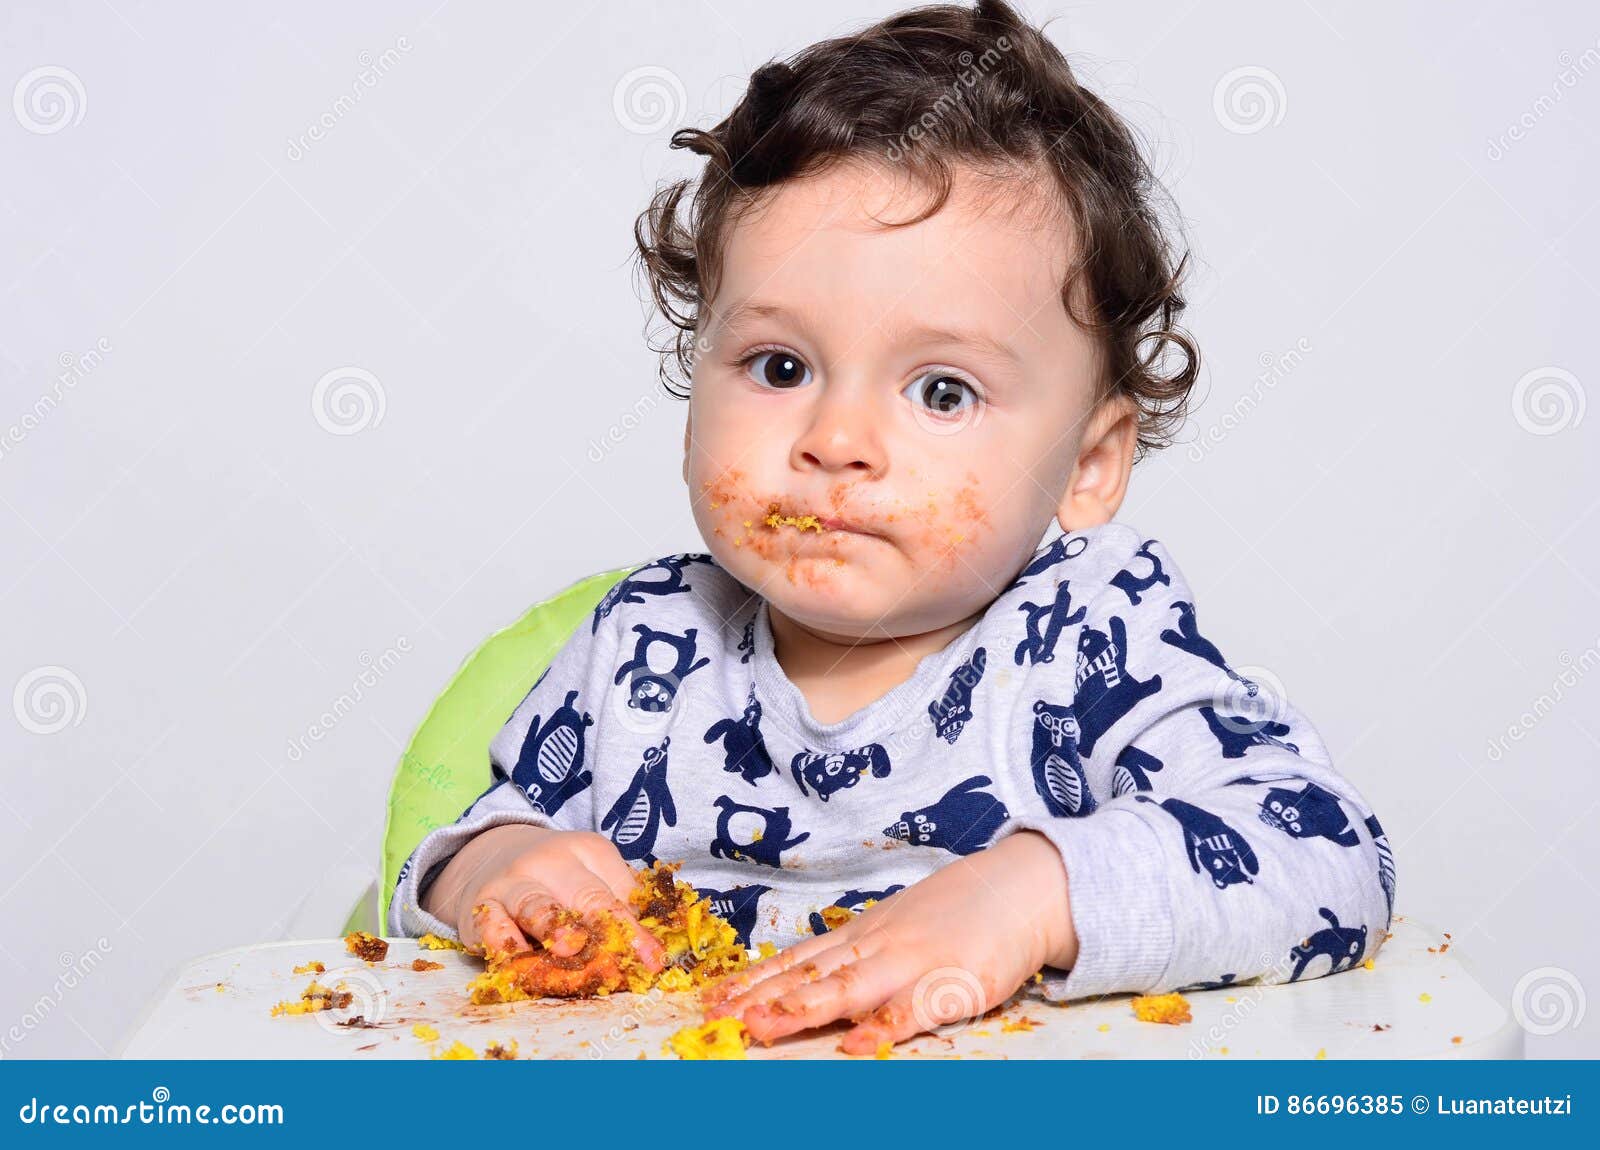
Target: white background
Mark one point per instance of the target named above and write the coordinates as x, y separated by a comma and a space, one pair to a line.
1382, 527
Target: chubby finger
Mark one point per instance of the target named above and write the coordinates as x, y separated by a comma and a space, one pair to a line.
725, 989
537, 911
800, 973
577, 886
853, 988
937, 998
490, 927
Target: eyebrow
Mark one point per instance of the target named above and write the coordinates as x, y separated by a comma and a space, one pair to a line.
922, 333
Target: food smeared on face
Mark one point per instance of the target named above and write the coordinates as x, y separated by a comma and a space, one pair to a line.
813, 543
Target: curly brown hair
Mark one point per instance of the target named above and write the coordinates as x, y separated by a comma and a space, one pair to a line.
927, 89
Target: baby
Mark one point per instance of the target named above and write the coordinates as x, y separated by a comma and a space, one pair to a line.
926, 307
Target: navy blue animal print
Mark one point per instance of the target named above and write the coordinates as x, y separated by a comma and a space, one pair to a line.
854, 901
961, 822
1221, 983
1039, 643
1105, 690
1309, 813
1188, 638
1214, 848
1385, 861
550, 766
1343, 946
639, 811
1131, 585
1237, 734
744, 751
952, 712
747, 641
1133, 770
830, 771
1058, 773
652, 690
1059, 550
662, 577
766, 846
738, 907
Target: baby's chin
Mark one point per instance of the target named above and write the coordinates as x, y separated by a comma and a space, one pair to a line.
865, 597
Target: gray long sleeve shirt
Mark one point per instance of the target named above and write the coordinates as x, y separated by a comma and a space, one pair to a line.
1207, 838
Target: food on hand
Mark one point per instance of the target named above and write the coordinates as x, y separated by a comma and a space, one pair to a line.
600, 958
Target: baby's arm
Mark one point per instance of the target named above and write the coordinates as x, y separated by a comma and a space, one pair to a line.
1233, 850
525, 848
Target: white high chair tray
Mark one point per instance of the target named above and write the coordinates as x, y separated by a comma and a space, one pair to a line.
1414, 1003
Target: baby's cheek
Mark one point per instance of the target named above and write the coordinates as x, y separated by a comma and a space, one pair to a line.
949, 528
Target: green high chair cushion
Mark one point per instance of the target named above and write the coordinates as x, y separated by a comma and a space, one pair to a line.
446, 766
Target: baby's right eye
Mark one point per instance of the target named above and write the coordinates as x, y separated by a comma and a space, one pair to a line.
776, 368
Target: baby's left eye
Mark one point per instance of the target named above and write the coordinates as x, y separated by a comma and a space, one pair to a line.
942, 393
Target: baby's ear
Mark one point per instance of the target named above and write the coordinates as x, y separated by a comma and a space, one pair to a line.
1100, 473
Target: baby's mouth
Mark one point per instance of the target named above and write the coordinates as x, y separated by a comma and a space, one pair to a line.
777, 518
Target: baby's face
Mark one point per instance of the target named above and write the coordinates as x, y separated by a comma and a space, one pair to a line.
883, 421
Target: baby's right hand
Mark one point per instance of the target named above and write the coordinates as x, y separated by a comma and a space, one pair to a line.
517, 879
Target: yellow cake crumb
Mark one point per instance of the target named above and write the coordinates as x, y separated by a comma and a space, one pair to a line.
501, 1051
1168, 1008
434, 942
1104, 1027
367, 947
884, 1049
458, 1051
313, 998
1011, 1027
1322, 1052
310, 968
700, 948
425, 1032
1369, 964
1424, 997
719, 1038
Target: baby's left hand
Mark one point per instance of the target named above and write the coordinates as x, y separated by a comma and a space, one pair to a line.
943, 950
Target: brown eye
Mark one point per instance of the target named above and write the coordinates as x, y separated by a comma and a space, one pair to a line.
778, 369
941, 394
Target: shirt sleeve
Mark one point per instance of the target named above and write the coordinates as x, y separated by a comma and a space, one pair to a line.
1207, 838
541, 766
